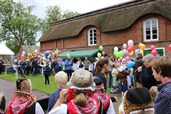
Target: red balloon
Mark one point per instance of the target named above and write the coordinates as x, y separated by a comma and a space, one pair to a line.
154, 52
130, 49
169, 47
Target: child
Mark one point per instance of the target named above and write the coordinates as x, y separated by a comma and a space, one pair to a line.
61, 79
106, 101
122, 76
47, 73
115, 82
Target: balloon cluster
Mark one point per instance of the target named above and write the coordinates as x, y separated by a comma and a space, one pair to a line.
46, 54
23, 55
101, 53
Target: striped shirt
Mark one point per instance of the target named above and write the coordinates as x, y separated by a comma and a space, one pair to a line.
162, 103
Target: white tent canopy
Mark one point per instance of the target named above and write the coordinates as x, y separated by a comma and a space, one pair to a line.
4, 50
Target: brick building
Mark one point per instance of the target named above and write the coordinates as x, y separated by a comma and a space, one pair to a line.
145, 21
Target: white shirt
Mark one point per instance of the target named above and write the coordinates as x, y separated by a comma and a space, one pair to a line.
39, 109
62, 109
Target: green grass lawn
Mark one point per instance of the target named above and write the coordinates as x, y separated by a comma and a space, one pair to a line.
37, 82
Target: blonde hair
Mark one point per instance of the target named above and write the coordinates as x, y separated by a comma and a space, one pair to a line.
2, 102
61, 78
128, 107
153, 91
24, 86
80, 97
1, 95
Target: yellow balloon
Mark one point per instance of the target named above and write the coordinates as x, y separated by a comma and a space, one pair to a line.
67, 55
139, 45
142, 47
131, 53
142, 52
99, 55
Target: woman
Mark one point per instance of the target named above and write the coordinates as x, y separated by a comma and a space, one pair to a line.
101, 69
161, 70
23, 101
79, 96
2, 103
47, 72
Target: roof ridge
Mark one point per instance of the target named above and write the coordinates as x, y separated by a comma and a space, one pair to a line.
103, 10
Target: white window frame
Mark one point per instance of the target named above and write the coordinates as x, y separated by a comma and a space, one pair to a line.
151, 34
92, 29
164, 50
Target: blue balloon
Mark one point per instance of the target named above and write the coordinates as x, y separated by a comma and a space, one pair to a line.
130, 64
46, 54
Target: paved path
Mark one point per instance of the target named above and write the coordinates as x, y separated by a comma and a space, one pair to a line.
8, 89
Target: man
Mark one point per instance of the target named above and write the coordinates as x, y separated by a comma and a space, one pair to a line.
86, 63
161, 71
147, 78
1, 65
137, 64
68, 66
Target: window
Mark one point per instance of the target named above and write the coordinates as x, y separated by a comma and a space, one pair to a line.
92, 37
150, 30
161, 51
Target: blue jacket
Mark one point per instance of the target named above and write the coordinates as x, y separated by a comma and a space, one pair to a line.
68, 64
53, 98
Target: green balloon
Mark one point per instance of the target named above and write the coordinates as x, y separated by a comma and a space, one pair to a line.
121, 54
100, 47
116, 54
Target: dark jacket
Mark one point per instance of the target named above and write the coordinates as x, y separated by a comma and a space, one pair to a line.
103, 78
47, 71
148, 79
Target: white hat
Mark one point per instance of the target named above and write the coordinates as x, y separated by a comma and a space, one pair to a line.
81, 80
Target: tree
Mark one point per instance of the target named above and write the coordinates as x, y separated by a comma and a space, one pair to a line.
54, 14
18, 25
68, 14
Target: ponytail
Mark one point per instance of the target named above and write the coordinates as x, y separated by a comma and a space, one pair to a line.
80, 99
99, 65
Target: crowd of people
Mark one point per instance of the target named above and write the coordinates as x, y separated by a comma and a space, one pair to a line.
145, 86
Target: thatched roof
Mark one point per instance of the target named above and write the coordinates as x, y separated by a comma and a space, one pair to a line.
108, 19
30, 48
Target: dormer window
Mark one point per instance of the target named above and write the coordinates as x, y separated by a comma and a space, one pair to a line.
92, 37
150, 30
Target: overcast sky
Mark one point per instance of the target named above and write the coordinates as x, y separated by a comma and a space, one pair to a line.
80, 6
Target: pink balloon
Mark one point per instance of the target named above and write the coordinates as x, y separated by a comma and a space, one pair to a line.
125, 51
130, 42
127, 58
152, 47
22, 56
103, 53
124, 45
